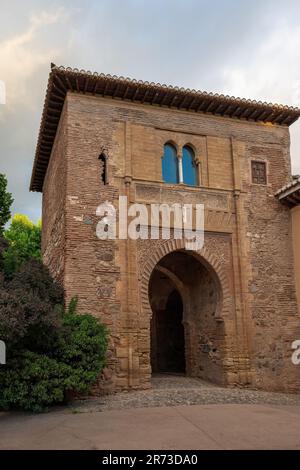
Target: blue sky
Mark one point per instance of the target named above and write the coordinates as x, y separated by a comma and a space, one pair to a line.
247, 49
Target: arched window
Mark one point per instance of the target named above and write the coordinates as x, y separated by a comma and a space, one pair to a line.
189, 168
170, 165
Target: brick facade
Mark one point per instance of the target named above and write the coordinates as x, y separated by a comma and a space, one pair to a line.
240, 308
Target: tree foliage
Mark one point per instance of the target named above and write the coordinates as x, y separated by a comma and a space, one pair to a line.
24, 243
6, 201
30, 307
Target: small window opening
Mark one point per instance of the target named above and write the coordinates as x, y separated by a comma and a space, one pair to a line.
259, 172
103, 168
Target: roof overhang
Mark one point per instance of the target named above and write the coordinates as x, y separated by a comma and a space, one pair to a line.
61, 80
290, 193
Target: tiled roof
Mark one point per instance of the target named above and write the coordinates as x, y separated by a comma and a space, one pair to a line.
290, 193
63, 79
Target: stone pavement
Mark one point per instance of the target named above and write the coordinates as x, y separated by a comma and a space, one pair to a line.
197, 416
174, 390
180, 427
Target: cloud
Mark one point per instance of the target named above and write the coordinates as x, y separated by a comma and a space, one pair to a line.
23, 54
274, 71
25, 57
244, 49
274, 75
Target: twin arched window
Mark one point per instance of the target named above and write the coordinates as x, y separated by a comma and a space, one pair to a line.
179, 169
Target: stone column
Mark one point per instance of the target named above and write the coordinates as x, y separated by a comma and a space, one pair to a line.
179, 156
198, 166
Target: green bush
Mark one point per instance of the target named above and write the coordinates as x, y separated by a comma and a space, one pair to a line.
82, 344
33, 381
30, 310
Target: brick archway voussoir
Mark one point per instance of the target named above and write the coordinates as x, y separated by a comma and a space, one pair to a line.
172, 245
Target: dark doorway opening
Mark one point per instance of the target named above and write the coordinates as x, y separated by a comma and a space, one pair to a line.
168, 348
186, 334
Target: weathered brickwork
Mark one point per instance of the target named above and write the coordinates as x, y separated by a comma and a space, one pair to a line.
54, 199
240, 311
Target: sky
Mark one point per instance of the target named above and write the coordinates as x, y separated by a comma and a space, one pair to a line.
248, 49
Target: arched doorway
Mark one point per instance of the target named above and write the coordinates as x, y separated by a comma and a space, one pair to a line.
168, 351
185, 299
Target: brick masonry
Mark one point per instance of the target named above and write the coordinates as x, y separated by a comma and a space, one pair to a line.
251, 319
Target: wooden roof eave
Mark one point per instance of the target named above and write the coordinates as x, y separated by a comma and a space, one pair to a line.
61, 80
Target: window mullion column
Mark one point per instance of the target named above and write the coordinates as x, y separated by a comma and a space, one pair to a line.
180, 170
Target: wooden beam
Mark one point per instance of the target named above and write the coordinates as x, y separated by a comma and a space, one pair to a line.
286, 119
52, 119
245, 113
165, 97
296, 196
236, 112
58, 90
145, 95
219, 107
135, 93
69, 83
180, 104
126, 92
86, 84
268, 116
201, 105
291, 200
58, 97
63, 86
172, 100
55, 103
194, 100
260, 116
95, 87
49, 136
210, 106
116, 90
225, 110
253, 114
54, 110
50, 125
106, 87
156, 94
279, 117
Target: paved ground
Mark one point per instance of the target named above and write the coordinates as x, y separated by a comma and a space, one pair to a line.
174, 390
268, 421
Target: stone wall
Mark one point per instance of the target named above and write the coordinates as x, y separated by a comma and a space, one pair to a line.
54, 204
296, 238
271, 280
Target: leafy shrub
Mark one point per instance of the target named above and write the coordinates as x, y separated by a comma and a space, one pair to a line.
82, 344
29, 308
31, 381
70, 363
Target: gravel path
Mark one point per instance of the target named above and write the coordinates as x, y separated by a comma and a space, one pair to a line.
169, 390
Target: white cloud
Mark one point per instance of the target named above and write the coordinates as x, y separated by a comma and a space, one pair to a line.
22, 54
273, 76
